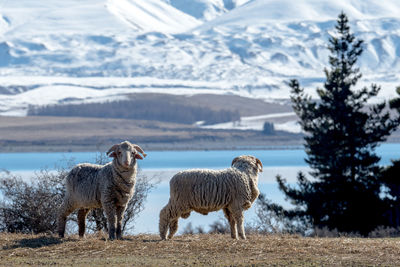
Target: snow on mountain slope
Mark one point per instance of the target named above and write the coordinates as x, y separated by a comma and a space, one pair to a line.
205, 9
200, 9
38, 91
258, 12
151, 15
26, 17
245, 47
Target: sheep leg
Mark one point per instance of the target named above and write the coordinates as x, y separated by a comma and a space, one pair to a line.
100, 220
111, 214
164, 221
232, 223
82, 213
120, 215
173, 227
240, 223
65, 210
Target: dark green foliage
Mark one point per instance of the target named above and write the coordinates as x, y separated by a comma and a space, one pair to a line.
268, 128
391, 180
341, 134
156, 109
395, 103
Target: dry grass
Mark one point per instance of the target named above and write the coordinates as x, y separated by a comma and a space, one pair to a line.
199, 250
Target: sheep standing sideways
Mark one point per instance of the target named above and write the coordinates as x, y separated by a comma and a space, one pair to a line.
109, 186
233, 190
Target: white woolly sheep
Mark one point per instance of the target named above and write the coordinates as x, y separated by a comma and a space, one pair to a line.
233, 190
109, 186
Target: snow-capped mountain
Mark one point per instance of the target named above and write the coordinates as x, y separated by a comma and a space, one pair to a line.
206, 10
247, 47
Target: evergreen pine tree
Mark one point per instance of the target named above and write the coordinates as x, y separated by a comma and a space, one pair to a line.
395, 103
391, 179
341, 134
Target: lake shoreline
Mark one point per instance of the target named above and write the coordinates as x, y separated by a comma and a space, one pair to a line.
285, 144
77, 134
182, 146
78, 149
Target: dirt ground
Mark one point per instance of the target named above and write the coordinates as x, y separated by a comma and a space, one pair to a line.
197, 250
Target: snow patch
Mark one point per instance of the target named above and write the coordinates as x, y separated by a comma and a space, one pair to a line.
287, 123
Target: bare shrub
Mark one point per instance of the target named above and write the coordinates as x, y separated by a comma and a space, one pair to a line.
325, 232
30, 206
142, 188
189, 230
219, 227
384, 231
272, 218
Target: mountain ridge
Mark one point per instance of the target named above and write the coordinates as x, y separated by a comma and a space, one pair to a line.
241, 47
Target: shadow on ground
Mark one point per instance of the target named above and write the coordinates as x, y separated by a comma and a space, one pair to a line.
37, 242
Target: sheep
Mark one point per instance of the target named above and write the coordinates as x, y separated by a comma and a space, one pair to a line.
109, 186
233, 190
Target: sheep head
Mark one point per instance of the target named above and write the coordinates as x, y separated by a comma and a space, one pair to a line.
246, 161
126, 153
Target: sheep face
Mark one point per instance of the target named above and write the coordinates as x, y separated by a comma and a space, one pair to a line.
248, 162
125, 154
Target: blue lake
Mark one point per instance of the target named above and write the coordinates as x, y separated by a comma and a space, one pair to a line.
162, 165
176, 159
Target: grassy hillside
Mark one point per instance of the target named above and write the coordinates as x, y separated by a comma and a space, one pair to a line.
198, 250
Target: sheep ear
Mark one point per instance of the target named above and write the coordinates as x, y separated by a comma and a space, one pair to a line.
138, 148
234, 160
137, 156
112, 149
259, 165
